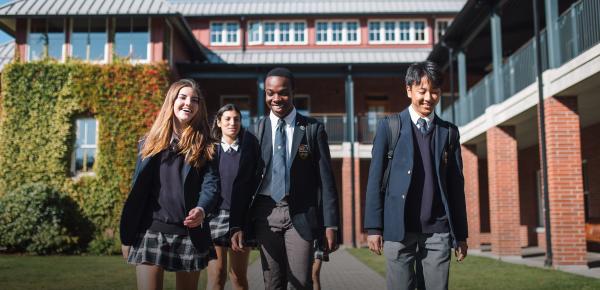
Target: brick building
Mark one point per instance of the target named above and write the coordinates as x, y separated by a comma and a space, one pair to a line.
492, 53
348, 56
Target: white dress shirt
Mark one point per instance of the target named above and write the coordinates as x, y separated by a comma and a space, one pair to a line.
414, 116
235, 146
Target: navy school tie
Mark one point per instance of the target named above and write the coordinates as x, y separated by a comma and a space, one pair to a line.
279, 179
422, 125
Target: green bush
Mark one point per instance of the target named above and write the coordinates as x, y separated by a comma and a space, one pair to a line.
39, 219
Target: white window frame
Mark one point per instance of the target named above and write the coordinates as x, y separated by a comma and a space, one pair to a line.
224, 41
435, 30
77, 174
105, 58
148, 45
276, 40
63, 47
344, 40
412, 31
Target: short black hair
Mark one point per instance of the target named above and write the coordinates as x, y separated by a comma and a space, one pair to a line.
282, 72
428, 69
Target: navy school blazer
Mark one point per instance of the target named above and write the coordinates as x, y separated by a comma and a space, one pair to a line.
384, 211
137, 217
313, 198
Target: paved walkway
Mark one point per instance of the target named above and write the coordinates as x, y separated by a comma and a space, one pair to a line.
342, 272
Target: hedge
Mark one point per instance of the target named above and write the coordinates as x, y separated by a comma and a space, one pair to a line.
39, 104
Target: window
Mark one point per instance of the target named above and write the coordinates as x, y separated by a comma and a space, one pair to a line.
352, 31
390, 30
88, 39
337, 32
299, 31
254, 32
232, 32
336, 29
224, 33
322, 28
419, 30
276, 32
84, 153
397, 31
46, 38
132, 36
404, 31
440, 28
269, 32
374, 31
284, 32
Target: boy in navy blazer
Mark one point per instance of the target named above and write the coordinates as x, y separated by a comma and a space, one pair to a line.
421, 215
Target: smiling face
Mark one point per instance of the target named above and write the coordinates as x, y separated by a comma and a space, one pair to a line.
423, 97
230, 124
279, 95
186, 106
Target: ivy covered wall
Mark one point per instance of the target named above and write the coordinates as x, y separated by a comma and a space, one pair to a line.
38, 107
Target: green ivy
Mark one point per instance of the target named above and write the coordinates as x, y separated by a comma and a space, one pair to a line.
39, 104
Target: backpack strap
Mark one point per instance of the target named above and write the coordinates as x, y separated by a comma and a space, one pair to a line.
394, 127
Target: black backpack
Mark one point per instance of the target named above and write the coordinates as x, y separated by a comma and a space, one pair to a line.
394, 127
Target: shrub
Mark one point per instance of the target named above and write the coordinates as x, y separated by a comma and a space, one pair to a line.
38, 219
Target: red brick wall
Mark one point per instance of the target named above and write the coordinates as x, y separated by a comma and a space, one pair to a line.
529, 164
504, 191
157, 34
471, 173
565, 185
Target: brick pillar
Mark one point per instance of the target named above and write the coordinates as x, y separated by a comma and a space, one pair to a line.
471, 173
347, 201
504, 190
565, 181
359, 206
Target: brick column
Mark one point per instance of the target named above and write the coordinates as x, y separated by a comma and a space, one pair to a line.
565, 181
504, 191
471, 173
347, 203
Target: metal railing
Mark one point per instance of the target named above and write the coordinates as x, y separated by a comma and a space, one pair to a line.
335, 126
578, 30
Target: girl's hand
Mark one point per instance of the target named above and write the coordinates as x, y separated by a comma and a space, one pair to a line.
195, 218
125, 251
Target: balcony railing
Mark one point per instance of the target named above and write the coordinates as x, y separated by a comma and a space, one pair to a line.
579, 30
335, 126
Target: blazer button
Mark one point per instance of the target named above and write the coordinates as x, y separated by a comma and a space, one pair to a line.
403, 196
409, 172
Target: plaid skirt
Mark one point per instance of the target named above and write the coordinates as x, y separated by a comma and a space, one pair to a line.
219, 228
174, 253
219, 231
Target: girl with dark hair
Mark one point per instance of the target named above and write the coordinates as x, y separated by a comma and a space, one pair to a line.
237, 153
174, 185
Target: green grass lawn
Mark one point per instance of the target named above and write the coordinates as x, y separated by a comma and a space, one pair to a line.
485, 273
75, 272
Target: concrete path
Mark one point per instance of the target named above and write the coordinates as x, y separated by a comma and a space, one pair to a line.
342, 272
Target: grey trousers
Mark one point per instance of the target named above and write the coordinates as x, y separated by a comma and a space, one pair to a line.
285, 256
420, 261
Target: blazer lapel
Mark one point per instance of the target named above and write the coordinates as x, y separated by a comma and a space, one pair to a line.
406, 135
185, 170
143, 165
299, 129
267, 142
441, 137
